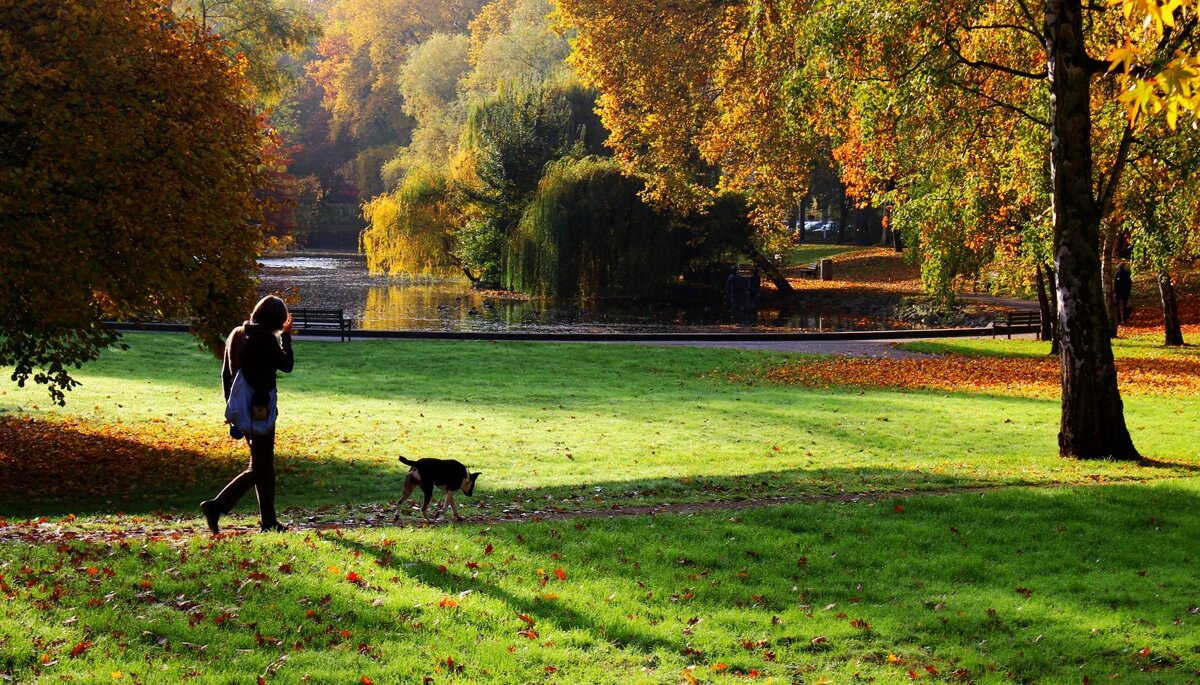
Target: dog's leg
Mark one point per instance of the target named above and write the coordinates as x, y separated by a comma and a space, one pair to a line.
442, 505
449, 499
454, 506
425, 504
409, 485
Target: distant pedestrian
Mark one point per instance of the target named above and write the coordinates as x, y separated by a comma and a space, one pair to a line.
753, 283
737, 295
1122, 288
256, 349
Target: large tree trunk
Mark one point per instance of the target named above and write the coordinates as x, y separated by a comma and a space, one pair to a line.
769, 268
1173, 334
1093, 417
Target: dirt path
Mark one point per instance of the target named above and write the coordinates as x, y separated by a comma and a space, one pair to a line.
173, 528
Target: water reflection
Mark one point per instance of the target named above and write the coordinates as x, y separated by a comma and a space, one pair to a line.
340, 280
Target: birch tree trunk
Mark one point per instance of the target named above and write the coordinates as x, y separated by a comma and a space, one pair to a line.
1093, 417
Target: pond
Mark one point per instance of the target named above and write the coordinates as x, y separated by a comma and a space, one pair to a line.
341, 280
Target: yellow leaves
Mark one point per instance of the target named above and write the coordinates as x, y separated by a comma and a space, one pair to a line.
1125, 56
1174, 87
1154, 14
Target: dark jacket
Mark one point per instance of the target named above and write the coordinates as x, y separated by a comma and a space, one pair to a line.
259, 354
1122, 283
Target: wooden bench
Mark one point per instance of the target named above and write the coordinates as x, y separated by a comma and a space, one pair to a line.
807, 271
1018, 319
304, 319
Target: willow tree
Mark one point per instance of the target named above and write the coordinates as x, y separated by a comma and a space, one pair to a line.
692, 111
506, 144
411, 230
587, 233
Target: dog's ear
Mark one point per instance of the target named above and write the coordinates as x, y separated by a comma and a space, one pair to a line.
474, 476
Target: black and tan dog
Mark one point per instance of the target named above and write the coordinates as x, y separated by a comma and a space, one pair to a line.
447, 474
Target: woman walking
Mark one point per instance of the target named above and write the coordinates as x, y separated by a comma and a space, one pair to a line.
258, 348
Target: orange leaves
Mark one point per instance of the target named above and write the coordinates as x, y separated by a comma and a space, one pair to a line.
448, 603
83, 175
98, 461
80, 648
1028, 377
560, 574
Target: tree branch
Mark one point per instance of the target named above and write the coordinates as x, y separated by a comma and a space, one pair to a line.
1105, 201
983, 64
1008, 27
1033, 21
1000, 103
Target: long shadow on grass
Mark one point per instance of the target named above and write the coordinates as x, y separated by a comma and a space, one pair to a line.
1037, 585
1014, 586
48, 467
55, 471
1047, 580
559, 613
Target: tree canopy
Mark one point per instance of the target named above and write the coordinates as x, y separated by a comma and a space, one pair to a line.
986, 127
129, 168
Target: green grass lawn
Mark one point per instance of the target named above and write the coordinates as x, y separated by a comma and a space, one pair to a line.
1012, 586
1094, 578
566, 426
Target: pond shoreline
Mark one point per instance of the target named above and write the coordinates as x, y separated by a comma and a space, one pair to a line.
732, 336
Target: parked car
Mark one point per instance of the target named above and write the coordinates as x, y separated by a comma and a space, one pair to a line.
821, 229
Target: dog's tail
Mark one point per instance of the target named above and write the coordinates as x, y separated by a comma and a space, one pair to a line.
410, 463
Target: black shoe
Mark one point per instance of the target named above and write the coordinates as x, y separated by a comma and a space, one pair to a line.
212, 514
275, 527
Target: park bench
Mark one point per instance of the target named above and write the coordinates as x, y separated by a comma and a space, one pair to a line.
1021, 320
304, 319
808, 271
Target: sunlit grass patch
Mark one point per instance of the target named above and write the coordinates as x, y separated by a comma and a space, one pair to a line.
550, 426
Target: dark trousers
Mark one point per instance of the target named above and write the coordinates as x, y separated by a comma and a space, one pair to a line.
260, 475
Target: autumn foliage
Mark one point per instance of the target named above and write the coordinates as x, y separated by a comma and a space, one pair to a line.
1025, 376
55, 461
129, 164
